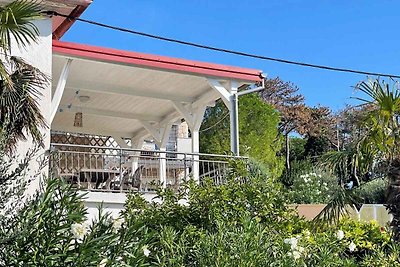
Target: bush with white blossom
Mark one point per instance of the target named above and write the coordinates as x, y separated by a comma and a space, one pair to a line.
312, 188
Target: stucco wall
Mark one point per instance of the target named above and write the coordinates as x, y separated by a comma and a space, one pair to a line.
39, 55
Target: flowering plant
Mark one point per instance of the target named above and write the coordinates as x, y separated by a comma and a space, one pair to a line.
312, 188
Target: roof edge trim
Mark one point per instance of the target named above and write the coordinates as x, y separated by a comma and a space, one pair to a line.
155, 62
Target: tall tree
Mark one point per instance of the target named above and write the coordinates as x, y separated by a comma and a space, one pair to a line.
258, 123
20, 83
285, 98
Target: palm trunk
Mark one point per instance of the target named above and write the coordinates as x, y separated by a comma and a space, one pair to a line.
393, 197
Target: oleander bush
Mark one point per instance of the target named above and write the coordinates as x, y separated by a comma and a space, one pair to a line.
51, 230
313, 187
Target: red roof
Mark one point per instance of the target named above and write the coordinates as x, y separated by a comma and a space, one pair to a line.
155, 61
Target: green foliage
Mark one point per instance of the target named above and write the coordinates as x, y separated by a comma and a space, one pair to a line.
258, 245
316, 146
19, 111
372, 192
298, 168
258, 128
244, 222
337, 207
297, 149
50, 230
366, 236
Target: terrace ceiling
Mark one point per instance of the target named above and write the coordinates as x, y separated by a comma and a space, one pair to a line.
133, 94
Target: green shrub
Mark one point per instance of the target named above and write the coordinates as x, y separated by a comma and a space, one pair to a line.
373, 192
298, 167
50, 230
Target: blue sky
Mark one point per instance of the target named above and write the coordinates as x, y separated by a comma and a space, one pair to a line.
351, 34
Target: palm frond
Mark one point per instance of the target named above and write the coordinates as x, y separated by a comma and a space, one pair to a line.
16, 23
339, 206
19, 109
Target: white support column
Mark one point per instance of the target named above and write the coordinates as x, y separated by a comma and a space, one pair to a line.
136, 143
234, 119
195, 149
164, 134
228, 93
62, 81
163, 167
161, 133
194, 117
198, 119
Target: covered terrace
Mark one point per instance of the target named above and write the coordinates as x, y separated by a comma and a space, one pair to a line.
132, 97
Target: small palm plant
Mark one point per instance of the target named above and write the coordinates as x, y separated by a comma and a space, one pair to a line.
20, 83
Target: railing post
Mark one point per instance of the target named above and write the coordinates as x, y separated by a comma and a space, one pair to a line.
185, 167
121, 174
195, 157
163, 167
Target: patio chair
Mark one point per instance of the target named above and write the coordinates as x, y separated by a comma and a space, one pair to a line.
133, 182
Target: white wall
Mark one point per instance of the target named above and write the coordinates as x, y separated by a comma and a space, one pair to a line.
111, 202
40, 56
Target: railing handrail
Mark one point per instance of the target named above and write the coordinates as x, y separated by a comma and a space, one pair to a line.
146, 151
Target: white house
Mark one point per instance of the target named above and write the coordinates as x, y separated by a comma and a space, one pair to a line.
111, 112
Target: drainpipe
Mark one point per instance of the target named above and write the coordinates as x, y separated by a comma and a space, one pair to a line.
235, 113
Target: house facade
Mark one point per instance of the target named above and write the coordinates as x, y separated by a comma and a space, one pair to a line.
121, 120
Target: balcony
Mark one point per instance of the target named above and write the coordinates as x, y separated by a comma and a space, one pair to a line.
108, 169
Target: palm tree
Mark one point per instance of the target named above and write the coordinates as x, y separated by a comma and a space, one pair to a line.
379, 144
20, 83
384, 136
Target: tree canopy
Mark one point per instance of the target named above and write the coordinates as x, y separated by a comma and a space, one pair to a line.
258, 131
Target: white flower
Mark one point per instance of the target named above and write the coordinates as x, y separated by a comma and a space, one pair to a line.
325, 184
340, 235
295, 254
352, 247
79, 230
146, 251
117, 223
292, 241
307, 234
103, 263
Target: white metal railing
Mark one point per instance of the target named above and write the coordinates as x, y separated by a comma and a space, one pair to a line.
97, 168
